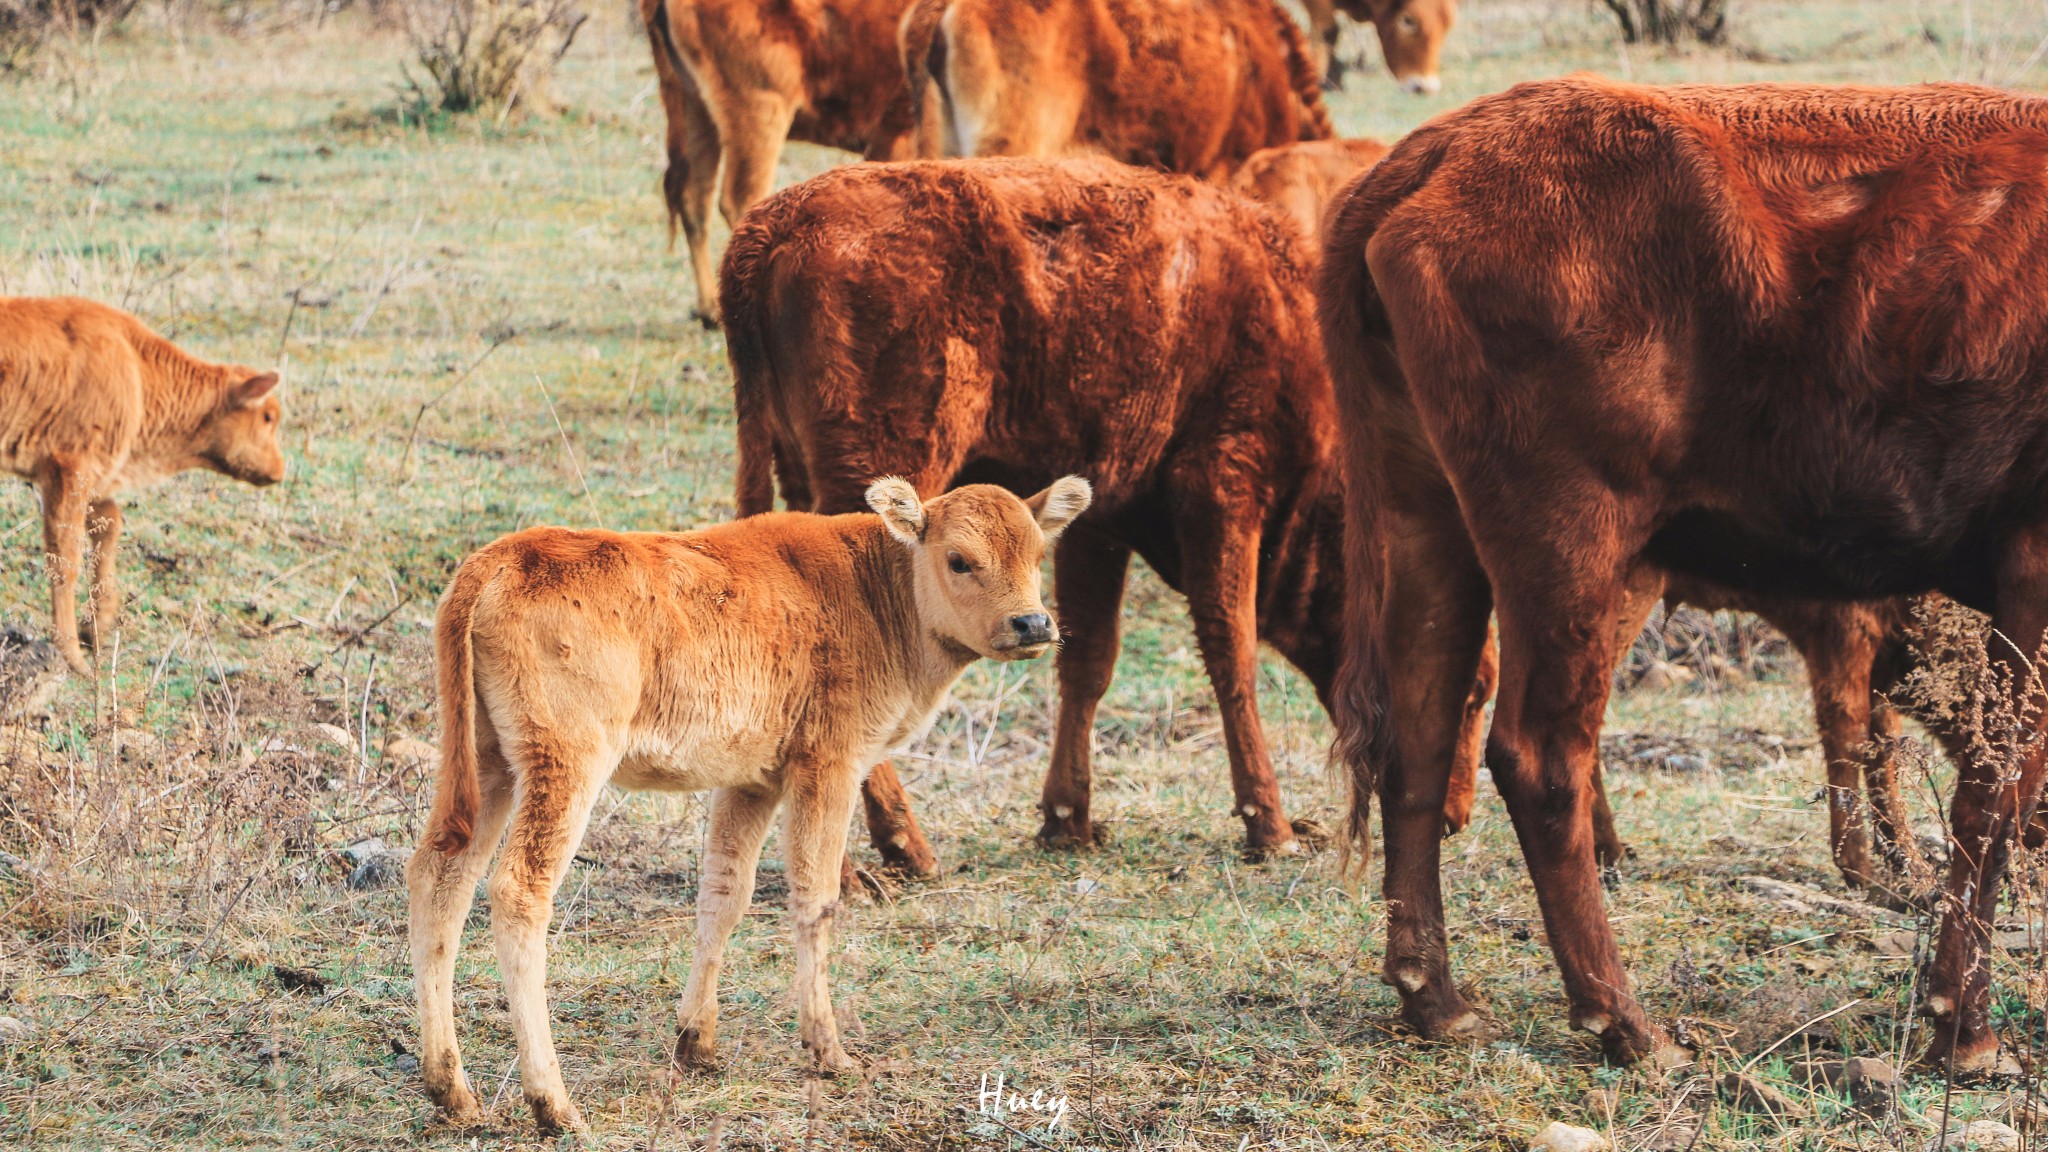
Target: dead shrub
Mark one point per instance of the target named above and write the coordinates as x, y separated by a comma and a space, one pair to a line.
26, 26
489, 54
1671, 21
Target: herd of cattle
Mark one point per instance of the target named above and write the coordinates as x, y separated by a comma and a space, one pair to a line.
1440, 422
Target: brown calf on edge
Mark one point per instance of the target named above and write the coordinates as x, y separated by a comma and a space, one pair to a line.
1837, 391
778, 656
1301, 179
738, 77
93, 404
1411, 32
1183, 87
1011, 320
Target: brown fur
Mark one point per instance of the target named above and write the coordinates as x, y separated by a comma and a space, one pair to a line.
738, 77
776, 657
1012, 320
1411, 32
94, 404
1300, 179
1785, 339
1184, 87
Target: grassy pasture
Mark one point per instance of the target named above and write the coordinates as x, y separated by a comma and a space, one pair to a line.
481, 331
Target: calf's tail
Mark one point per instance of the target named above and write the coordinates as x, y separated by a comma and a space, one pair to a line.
670, 75
744, 283
452, 820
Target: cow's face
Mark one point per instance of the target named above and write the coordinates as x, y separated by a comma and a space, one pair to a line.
975, 552
1412, 36
240, 439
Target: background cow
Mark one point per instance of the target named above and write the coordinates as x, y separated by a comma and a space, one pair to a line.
92, 404
1186, 87
1838, 391
1411, 34
778, 656
1300, 179
1004, 320
738, 77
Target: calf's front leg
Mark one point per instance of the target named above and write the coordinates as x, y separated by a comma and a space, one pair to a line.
739, 823
814, 838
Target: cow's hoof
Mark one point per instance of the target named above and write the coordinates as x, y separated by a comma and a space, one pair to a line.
1069, 833
554, 1117
1972, 1059
1437, 1011
911, 860
834, 1061
1626, 1041
706, 318
1310, 834
1256, 852
1610, 853
695, 1052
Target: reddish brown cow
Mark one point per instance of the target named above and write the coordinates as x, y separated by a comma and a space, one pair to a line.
1191, 87
1786, 339
1411, 33
738, 77
996, 320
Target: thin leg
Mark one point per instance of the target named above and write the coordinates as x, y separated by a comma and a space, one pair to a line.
1088, 586
892, 828
1464, 783
1220, 558
758, 123
442, 888
1881, 786
814, 838
1645, 586
739, 824
1997, 792
557, 783
1838, 650
64, 493
691, 195
103, 527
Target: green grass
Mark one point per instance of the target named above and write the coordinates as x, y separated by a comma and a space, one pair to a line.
503, 288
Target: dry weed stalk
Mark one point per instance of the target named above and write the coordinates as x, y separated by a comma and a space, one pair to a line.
489, 54
27, 26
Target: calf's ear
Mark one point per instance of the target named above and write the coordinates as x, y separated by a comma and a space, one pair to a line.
895, 500
255, 388
1056, 507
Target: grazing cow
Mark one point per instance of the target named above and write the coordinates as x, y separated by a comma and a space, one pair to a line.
777, 656
738, 77
1785, 339
1006, 320
1300, 179
1411, 36
1193, 87
92, 404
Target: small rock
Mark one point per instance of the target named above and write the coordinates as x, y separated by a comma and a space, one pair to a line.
1901, 942
2016, 940
1084, 886
1686, 762
1601, 1104
406, 1063
336, 736
13, 1031
382, 869
1868, 1081
1562, 1137
364, 849
1976, 1136
2028, 1113
407, 750
1753, 1095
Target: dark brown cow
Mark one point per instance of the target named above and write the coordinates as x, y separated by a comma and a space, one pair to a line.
1411, 33
998, 319
1786, 339
1192, 86
738, 77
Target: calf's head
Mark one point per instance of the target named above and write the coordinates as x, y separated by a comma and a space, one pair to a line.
239, 438
1411, 35
975, 555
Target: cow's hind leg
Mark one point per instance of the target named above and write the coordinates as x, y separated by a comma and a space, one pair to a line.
1464, 782
739, 823
1997, 792
814, 839
442, 887
690, 184
1645, 586
755, 126
1088, 581
558, 780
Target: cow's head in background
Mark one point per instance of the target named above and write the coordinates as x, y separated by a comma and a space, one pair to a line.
1412, 34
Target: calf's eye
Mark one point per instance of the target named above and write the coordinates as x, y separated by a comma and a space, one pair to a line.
960, 567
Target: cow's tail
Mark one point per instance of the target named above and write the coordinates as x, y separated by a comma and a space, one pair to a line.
1303, 77
1357, 336
452, 821
745, 279
670, 75
922, 55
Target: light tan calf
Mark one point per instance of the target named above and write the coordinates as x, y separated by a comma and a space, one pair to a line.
92, 404
780, 655
1300, 179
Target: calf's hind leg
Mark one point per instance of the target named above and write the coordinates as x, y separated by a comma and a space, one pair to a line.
65, 493
442, 887
739, 824
557, 783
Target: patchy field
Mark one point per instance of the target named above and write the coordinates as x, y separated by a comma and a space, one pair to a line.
480, 331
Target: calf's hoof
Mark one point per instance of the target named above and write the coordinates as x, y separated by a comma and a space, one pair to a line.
1610, 853
695, 1051
1435, 1010
708, 317
554, 1117
459, 1108
833, 1061
1971, 1056
1069, 831
1627, 1038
